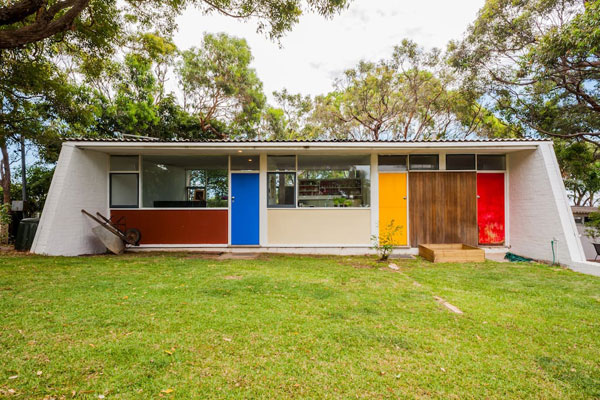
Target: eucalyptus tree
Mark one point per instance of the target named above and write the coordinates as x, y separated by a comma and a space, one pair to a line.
538, 64
220, 88
24, 22
412, 95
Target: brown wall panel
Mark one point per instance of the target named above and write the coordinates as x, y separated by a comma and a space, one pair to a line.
176, 226
443, 207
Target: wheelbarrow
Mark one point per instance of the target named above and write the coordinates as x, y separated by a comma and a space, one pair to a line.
111, 236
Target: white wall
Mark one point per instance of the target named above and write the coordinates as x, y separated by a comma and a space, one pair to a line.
539, 208
80, 181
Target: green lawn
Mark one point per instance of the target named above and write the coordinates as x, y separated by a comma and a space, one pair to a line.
182, 326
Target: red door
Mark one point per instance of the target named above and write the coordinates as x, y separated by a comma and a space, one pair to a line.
490, 208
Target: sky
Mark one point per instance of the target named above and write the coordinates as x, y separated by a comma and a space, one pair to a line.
317, 50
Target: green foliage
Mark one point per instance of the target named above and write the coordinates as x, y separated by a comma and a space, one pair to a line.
593, 226
580, 166
538, 62
39, 177
384, 244
219, 85
412, 95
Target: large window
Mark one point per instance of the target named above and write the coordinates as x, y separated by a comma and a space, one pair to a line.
281, 181
124, 181
334, 181
281, 188
185, 181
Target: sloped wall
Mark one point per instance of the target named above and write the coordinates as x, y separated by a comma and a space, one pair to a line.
539, 210
80, 181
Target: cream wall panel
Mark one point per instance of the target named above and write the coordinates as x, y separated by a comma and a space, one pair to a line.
306, 226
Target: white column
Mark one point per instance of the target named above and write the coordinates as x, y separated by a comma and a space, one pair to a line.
374, 195
263, 200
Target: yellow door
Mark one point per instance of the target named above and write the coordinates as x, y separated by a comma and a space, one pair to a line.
393, 206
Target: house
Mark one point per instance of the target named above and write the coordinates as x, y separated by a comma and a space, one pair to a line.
312, 196
581, 214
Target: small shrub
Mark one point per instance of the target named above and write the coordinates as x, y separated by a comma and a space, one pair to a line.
384, 243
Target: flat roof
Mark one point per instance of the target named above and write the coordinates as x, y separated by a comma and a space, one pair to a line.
144, 145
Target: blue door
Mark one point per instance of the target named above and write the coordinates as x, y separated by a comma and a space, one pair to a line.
244, 209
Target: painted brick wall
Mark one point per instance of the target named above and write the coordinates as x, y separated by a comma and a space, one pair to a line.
539, 210
80, 181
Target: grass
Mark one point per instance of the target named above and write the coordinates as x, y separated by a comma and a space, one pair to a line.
182, 326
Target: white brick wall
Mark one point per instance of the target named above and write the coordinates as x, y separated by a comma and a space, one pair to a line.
80, 181
539, 209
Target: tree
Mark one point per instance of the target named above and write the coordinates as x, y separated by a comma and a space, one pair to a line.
37, 102
411, 96
539, 64
580, 166
292, 119
220, 88
24, 22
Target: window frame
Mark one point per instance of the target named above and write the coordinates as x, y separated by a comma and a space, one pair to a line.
110, 190
437, 165
462, 169
490, 170
294, 203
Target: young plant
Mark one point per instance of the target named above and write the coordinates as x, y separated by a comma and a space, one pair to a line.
384, 243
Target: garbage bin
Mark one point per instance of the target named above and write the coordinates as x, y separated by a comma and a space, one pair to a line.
26, 233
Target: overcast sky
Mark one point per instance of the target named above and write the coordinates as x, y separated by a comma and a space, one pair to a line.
317, 50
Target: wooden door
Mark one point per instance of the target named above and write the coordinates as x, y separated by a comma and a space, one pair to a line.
393, 205
490, 208
443, 208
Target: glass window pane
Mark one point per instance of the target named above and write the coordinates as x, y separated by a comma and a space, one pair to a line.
281, 163
245, 163
424, 162
185, 181
393, 163
124, 163
123, 190
281, 189
491, 162
464, 162
334, 181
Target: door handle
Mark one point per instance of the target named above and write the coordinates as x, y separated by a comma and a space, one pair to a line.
232, 199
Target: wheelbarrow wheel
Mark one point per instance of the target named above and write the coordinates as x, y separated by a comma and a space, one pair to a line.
133, 236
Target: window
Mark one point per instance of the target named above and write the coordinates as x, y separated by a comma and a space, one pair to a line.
334, 181
281, 181
460, 162
124, 182
245, 163
185, 181
124, 190
425, 162
124, 163
491, 162
393, 163
281, 163
281, 187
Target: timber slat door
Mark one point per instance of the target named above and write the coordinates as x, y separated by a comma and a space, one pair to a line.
443, 207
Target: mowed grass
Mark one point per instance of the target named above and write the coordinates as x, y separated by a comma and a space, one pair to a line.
180, 326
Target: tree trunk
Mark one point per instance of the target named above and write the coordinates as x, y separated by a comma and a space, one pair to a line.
5, 173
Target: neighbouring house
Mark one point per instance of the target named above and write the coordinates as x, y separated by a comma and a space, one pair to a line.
312, 196
581, 214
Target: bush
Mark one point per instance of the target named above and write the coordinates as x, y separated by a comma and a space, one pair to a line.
384, 244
